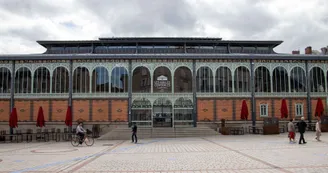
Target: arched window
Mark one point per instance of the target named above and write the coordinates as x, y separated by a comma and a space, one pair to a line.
317, 80
162, 80
298, 80
242, 79
60, 80
119, 80
182, 80
262, 80
23, 80
5, 80
280, 80
141, 112
141, 81
183, 108
100, 80
223, 80
81, 80
204, 80
41, 80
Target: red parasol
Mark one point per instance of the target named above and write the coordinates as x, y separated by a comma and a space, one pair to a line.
13, 119
69, 120
319, 109
40, 120
284, 109
244, 111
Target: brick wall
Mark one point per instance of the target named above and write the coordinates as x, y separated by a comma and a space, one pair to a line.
80, 110
23, 110
205, 109
119, 110
224, 109
59, 109
314, 105
100, 110
4, 110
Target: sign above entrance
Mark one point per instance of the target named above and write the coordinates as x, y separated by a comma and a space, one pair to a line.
162, 82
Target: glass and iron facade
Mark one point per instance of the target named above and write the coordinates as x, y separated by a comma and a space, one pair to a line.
160, 82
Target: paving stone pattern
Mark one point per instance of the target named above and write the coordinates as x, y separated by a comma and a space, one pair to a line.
226, 154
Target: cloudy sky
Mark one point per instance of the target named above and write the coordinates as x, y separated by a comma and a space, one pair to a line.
299, 23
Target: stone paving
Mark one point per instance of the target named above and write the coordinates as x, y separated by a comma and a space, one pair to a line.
226, 154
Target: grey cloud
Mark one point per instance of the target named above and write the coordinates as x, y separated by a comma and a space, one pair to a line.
31, 34
29, 8
147, 17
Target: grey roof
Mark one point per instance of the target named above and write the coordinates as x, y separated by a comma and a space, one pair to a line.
162, 56
159, 40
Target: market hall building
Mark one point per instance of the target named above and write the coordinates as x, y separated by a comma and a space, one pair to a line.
159, 82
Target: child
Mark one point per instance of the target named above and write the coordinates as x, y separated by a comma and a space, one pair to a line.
291, 130
317, 130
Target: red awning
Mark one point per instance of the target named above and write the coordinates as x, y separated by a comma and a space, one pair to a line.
284, 109
13, 119
40, 120
68, 120
244, 111
319, 109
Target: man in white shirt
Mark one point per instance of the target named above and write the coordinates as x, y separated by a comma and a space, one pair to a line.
80, 132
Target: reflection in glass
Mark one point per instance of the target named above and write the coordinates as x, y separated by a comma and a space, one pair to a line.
223, 80
41, 80
204, 80
60, 80
119, 80
81, 80
5, 80
100, 80
23, 80
182, 80
141, 81
242, 79
280, 80
262, 80
317, 80
298, 80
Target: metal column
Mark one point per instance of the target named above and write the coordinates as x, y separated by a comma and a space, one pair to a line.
70, 86
194, 90
130, 92
253, 94
12, 90
308, 91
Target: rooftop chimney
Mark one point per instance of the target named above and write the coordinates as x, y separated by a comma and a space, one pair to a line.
308, 50
295, 52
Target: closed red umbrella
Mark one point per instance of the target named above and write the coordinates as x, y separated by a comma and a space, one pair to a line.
284, 109
40, 120
13, 119
244, 111
319, 109
68, 120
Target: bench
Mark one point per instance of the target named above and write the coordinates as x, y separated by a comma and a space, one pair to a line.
255, 130
237, 131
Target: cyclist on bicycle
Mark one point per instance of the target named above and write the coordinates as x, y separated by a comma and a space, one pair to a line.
80, 132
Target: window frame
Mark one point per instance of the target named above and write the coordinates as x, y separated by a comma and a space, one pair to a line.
266, 111
302, 109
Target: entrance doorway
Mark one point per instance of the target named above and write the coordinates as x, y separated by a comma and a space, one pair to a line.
162, 113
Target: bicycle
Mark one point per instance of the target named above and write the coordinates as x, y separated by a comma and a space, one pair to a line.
88, 140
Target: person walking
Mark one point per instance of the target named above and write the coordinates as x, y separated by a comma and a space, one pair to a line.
291, 130
134, 133
301, 128
318, 130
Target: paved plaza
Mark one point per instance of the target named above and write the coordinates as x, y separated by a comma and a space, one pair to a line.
226, 154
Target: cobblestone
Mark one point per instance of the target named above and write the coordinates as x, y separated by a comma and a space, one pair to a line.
224, 154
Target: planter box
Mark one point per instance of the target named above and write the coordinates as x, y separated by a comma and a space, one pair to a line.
224, 131
324, 127
270, 129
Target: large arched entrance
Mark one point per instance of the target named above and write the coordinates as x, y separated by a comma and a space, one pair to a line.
162, 113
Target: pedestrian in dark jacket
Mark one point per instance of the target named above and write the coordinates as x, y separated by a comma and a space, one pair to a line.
301, 128
134, 133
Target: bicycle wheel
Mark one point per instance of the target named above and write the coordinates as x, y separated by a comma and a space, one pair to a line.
89, 141
75, 141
